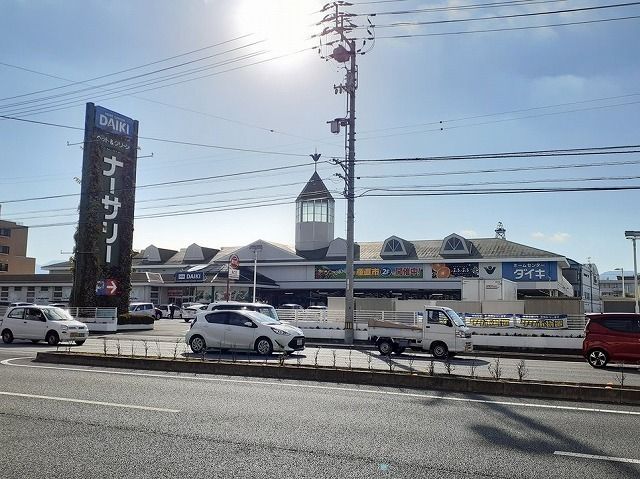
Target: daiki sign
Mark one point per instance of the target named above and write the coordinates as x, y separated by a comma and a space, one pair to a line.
105, 229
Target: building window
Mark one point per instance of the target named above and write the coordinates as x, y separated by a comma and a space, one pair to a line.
44, 288
454, 244
4, 293
4, 249
320, 211
393, 246
57, 293
31, 293
17, 288
155, 294
5, 232
4, 267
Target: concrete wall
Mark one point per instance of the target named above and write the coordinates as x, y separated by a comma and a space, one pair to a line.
376, 304
547, 305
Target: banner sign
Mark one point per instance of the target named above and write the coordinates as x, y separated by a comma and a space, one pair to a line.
454, 270
477, 320
105, 229
189, 277
530, 321
541, 321
530, 271
390, 271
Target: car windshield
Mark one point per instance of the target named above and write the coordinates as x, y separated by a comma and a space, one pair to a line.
57, 314
455, 318
263, 318
268, 312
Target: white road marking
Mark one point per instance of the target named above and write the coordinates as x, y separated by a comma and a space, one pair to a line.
86, 401
8, 362
600, 458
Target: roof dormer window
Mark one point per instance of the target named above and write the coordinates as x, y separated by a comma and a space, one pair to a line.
394, 246
454, 245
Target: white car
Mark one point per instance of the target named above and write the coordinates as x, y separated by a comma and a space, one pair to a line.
143, 310
242, 329
190, 312
238, 305
39, 323
166, 311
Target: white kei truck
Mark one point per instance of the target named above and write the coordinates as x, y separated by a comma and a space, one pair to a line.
442, 333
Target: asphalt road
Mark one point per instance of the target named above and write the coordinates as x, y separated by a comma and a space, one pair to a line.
70, 422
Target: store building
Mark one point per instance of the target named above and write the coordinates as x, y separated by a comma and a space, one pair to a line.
313, 270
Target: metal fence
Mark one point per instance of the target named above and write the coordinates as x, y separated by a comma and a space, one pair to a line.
575, 322
95, 315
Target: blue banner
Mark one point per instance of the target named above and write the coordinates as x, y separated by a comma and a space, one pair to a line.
530, 271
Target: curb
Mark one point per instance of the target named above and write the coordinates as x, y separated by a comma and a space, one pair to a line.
568, 392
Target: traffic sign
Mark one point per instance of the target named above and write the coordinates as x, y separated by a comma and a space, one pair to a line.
234, 261
106, 287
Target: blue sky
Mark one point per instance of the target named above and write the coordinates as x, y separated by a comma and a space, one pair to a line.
282, 105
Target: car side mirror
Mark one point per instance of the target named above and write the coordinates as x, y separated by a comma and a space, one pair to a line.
43, 319
248, 324
449, 323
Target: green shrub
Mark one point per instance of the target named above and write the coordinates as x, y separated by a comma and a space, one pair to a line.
128, 319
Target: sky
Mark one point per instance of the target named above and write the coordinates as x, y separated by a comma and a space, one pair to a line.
246, 75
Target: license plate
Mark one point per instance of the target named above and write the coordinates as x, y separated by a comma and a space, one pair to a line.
77, 335
299, 342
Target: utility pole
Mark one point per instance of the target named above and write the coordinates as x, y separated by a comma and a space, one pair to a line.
344, 51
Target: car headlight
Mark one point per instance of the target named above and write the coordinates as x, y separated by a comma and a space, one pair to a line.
280, 331
64, 329
461, 334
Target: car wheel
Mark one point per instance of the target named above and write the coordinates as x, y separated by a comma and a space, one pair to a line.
52, 338
79, 343
439, 350
35, 341
198, 344
598, 358
264, 346
7, 336
385, 347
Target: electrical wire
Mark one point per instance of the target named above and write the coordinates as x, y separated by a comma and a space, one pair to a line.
501, 17
599, 150
502, 170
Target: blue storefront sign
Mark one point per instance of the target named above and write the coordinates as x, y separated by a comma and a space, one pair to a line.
189, 277
113, 122
530, 271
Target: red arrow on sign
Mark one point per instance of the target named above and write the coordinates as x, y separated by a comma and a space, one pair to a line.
112, 287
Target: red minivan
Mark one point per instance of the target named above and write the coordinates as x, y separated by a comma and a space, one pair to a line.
611, 337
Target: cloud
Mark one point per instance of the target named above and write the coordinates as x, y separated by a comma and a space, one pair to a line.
559, 237
469, 233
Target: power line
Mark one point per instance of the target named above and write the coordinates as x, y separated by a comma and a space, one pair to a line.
501, 17
414, 188
600, 150
81, 82
502, 170
504, 29
452, 8
115, 96
512, 191
164, 183
507, 112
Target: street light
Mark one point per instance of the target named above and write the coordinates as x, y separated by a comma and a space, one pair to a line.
621, 274
633, 236
255, 248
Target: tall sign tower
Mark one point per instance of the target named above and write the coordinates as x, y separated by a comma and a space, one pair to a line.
104, 238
